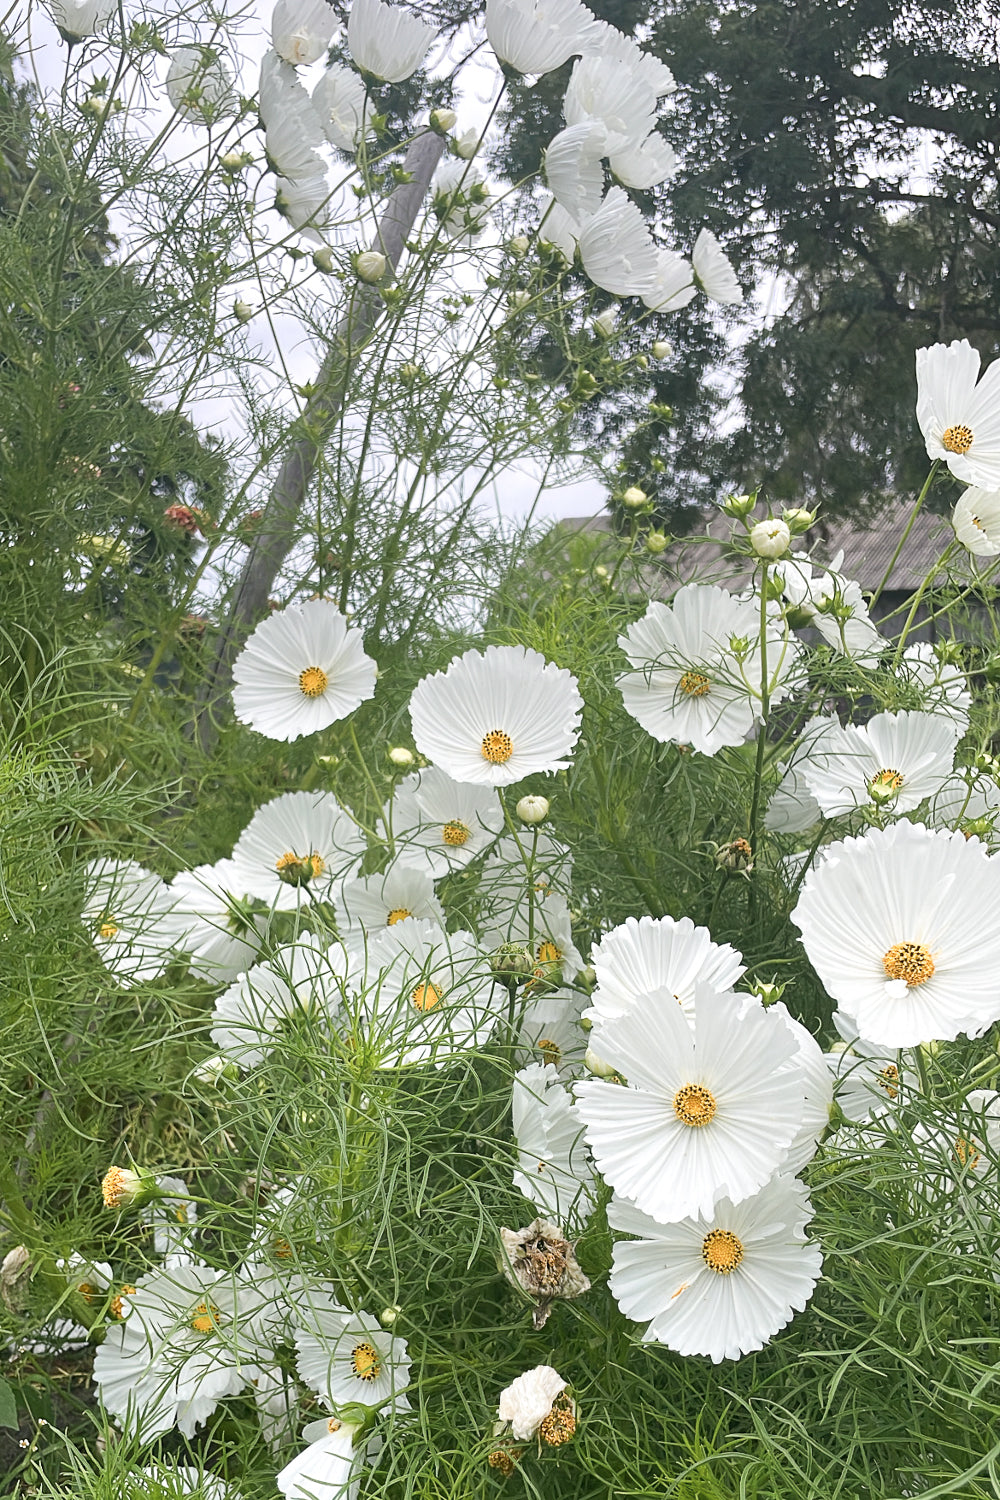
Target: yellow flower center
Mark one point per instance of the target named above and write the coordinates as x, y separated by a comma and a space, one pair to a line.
694, 1104
299, 869
560, 1424
505, 1463
87, 1291
114, 1187
332, 1425
456, 833
205, 1317
910, 962
108, 929
966, 1154
498, 747
365, 1362
888, 1079
117, 1308
888, 779
313, 682
957, 439
549, 953
281, 1249
695, 684
426, 996
398, 914
550, 1050
721, 1251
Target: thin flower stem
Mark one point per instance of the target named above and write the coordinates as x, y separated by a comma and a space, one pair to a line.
906, 532
916, 601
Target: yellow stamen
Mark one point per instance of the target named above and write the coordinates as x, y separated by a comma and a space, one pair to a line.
957, 439
299, 869
205, 1317
498, 747
966, 1154
549, 953
313, 682
550, 1050
888, 1079
456, 833
694, 1105
426, 996
108, 929
117, 1308
87, 1291
560, 1424
910, 962
721, 1251
398, 914
695, 684
888, 778
365, 1362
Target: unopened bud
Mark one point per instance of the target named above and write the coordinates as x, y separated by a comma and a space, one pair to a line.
798, 520
242, 311
401, 758
442, 120
661, 349
767, 993
605, 322
235, 161
657, 542
634, 498
739, 506
770, 538
512, 961
323, 259
388, 1316
465, 146
519, 245
533, 809
518, 301
212, 1071
598, 1065
370, 266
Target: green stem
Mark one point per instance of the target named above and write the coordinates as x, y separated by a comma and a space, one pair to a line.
906, 531
921, 591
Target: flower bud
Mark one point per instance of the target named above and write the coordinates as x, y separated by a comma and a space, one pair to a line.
465, 146
123, 1188
401, 758
212, 1071
235, 161
519, 245
387, 1317
605, 322
884, 788
657, 542
323, 259
798, 520
512, 961
736, 857
770, 538
370, 266
298, 870
739, 506
533, 809
518, 301
634, 498
767, 993
661, 349
242, 311
442, 120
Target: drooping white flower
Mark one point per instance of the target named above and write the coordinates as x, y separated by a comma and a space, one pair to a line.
339, 98
441, 824
942, 685
496, 716
302, 30
709, 1108
976, 519
834, 605
304, 202
896, 760
646, 165
221, 937
302, 669
893, 923
608, 92
344, 1357
79, 20
527, 1401
673, 285
867, 1078
688, 683
573, 168
386, 40
199, 85
793, 808
537, 36
723, 1283
293, 130
329, 1467
397, 894
616, 248
604, 40
639, 957
558, 228
714, 271
249, 1016
295, 847
553, 1170
130, 915
959, 414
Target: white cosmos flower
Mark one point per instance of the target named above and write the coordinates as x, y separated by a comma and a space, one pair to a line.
199, 86
662, 953
645, 165
396, 894
330, 1466
249, 1016
616, 248
293, 129
976, 519
713, 270
968, 796
721, 1284
339, 98
551, 1033
130, 915
710, 1107
344, 1357
960, 419
537, 36
527, 1401
573, 168
901, 758
302, 30
387, 41
609, 92
558, 228
834, 606
301, 670
79, 20
221, 938
304, 202
962, 1148
867, 1078
173, 1219
295, 847
606, 41
553, 1170
793, 808
896, 925
942, 685
440, 824
687, 683
425, 995
496, 716
673, 286
817, 1092
175, 1354
174, 1481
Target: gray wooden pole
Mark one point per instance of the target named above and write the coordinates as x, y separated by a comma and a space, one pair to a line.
276, 531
